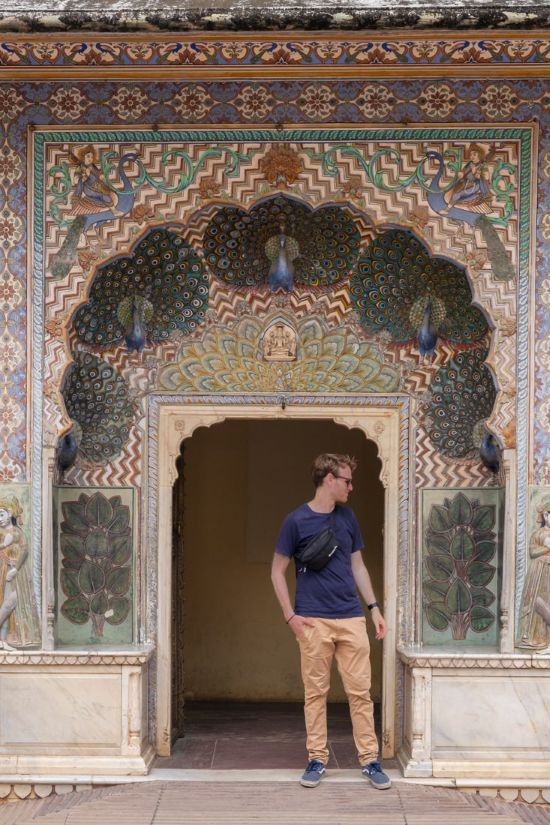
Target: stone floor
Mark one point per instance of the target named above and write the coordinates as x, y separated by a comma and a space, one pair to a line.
269, 803
251, 735
239, 764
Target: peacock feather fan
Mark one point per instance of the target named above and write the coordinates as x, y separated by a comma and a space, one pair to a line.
162, 276
322, 245
96, 398
461, 397
396, 277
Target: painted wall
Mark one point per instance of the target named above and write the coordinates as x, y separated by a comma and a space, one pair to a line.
240, 479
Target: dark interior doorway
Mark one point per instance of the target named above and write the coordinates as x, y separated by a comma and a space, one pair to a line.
234, 663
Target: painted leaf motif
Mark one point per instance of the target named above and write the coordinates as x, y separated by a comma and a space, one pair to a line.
458, 597
76, 610
98, 510
437, 543
481, 597
480, 573
435, 591
437, 616
440, 568
100, 604
74, 513
72, 550
462, 546
91, 578
120, 549
121, 521
69, 582
96, 543
484, 518
461, 510
485, 550
120, 607
481, 619
439, 519
118, 581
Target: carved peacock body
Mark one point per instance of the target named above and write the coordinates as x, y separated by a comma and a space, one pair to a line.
281, 241
396, 279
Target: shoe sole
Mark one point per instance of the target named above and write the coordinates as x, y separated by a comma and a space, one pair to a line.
378, 785
310, 783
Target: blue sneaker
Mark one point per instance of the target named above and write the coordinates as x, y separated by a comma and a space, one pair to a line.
378, 778
313, 774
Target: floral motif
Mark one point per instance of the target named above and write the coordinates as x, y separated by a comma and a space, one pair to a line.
11, 353
11, 228
87, 256
329, 52
11, 293
192, 102
498, 101
11, 103
234, 52
129, 102
543, 415
317, 102
543, 353
11, 167
139, 52
353, 188
545, 224
545, 292
281, 165
255, 102
376, 101
425, 52
377, 52
437, 100
11, 415
209, 187
46, 52
68, 103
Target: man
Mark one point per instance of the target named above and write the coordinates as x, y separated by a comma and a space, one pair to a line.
328, 620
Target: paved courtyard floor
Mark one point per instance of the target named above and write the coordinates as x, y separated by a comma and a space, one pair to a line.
334, 802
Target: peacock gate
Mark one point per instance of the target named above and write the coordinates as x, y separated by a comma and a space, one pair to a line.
220, 255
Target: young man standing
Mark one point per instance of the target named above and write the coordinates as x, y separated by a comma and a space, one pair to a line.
328, 620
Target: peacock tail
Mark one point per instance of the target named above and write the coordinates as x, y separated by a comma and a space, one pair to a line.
97, 398
395, 278
63, 260
323, 244
461, 395
164, 274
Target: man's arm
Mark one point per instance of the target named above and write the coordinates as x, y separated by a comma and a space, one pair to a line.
364, 586
278, 577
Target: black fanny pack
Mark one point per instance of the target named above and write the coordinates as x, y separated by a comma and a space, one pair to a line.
319, 550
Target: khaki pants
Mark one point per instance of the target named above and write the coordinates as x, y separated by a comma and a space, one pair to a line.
347, 640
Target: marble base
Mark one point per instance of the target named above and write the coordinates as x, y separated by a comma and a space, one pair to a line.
74, 713
478, 717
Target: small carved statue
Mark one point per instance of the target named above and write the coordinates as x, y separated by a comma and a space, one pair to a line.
279, 343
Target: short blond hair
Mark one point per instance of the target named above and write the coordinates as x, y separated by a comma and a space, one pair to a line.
330, 463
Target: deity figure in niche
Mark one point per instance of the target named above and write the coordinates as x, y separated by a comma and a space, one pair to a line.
18, 617
534, 625
279, 343
472, 190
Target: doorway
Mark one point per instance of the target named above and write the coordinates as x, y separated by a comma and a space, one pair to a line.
383, 421
235, 666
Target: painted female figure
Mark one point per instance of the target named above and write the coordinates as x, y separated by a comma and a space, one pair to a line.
472, 189
91, 193
534, 631
18, 618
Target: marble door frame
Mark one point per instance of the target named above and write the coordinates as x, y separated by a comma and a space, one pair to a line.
171, 420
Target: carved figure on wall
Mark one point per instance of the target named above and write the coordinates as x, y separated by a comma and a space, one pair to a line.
534, 624
472, 189
279, 343
18, 617
91, 192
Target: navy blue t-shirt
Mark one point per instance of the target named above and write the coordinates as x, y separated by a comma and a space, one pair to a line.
329, 593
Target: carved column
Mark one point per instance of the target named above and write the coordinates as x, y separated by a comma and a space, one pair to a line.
48, 583
508, 594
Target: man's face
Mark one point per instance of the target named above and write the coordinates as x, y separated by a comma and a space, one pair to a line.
341, 484
5, 517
